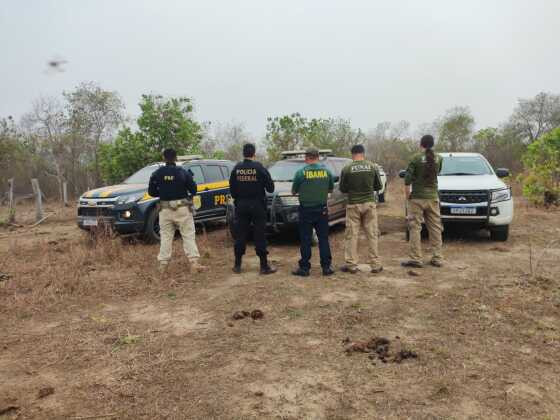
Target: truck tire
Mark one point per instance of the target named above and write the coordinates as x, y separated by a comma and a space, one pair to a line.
151, 231
500, 234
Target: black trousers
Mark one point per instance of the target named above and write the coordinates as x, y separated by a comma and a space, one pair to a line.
247, 212
314, 218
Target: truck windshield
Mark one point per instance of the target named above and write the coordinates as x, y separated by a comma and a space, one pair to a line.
464, 165
142, 176
285, 170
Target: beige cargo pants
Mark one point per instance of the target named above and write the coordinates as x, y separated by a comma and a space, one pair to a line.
422, 210
169, 221
360, 216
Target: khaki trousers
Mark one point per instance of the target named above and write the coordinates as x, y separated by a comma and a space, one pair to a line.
360, 216
171, 220
424, 210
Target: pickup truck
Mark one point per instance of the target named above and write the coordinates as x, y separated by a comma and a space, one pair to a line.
472, 194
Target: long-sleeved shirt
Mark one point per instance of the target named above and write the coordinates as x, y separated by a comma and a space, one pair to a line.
250, 180
422, 188
360, 179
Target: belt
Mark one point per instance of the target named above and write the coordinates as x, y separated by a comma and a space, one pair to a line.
174, 204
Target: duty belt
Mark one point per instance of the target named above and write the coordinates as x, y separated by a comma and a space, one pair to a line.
175, 204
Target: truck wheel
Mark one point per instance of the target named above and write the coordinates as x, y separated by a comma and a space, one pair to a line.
500, 234
151, 232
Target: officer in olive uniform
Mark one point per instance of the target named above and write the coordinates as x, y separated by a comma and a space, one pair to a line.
248, 183
313, 183
175, 188
423, 204
360, 179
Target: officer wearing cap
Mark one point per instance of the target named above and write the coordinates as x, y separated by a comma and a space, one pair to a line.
175, 188
248, 183
313, 183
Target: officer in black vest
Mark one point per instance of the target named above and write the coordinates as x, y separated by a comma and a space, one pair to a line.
248, 184
175, 188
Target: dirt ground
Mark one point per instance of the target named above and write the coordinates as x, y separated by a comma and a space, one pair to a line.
90, 330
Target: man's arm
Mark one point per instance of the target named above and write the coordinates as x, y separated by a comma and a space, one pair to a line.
153, 189
331, 181
233, 184
343, 185
190, 183
268, 182
297, 182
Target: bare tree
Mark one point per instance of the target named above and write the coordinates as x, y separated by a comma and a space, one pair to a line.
94, 115
536, 116
47, 124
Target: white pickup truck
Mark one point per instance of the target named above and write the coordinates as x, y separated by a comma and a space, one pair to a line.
472, 194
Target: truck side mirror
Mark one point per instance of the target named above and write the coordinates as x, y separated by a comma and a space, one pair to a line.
402, 173
502, 172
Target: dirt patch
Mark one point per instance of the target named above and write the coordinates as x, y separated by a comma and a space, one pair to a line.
96, 322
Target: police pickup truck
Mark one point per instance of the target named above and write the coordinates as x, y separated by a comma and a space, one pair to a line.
128, 208
472, 194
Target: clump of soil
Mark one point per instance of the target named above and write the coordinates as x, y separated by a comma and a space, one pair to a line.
379, 348
46, 391
255, 314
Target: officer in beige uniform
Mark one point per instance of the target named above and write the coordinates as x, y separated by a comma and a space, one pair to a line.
175, 187
423, 204
360, 180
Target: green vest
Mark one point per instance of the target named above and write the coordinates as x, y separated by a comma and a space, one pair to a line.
360, 179
415, 176
313, 183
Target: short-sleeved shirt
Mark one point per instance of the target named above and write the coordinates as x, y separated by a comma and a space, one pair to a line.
171, 182
360, 179
422, 188
313, 183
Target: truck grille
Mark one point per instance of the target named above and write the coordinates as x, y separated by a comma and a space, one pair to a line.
94, 211
463, 197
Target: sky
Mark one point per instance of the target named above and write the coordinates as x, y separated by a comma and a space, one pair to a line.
243, 61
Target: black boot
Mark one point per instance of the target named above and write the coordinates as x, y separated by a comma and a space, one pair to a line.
237, 266
266, 268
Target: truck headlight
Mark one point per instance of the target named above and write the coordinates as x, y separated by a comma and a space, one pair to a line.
289, 200
129, 198
501, 195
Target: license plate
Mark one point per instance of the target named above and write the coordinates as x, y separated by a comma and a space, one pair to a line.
463, 210
90, 222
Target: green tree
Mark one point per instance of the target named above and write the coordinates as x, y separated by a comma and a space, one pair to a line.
163, 123
455, 130
541, 181
292, 132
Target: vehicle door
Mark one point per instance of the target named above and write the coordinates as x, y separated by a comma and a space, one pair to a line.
199, 202
215, 192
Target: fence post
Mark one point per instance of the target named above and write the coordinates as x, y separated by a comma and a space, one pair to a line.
38, 199
65, 193
11, 203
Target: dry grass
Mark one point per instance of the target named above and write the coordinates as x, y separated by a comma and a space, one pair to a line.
95, 321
